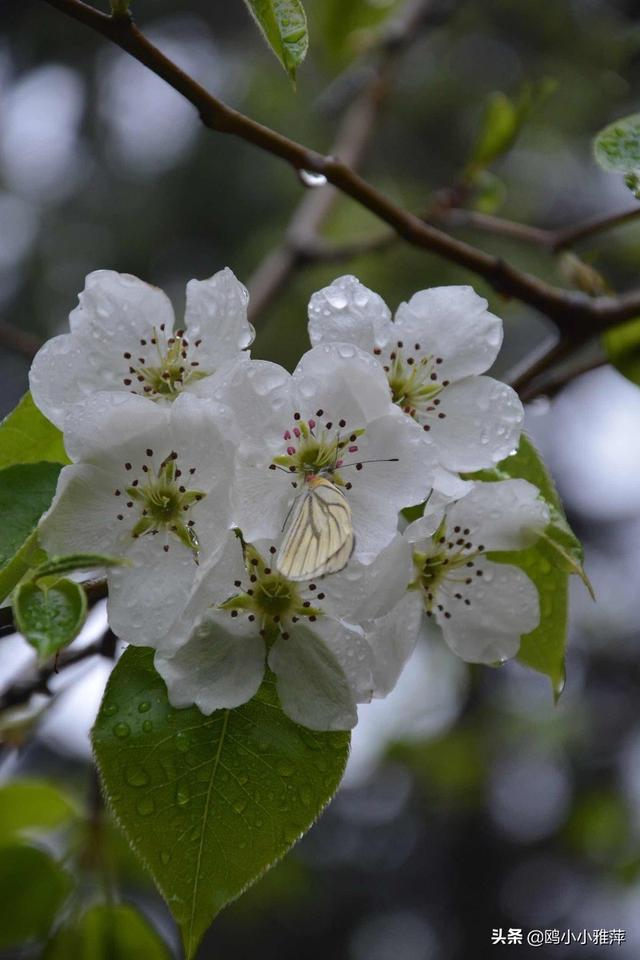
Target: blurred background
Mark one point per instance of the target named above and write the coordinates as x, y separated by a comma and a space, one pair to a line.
471, 803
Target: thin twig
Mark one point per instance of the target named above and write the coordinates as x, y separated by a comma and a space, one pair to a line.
575, 314
18, 341
22, 691
301, 245
551, 386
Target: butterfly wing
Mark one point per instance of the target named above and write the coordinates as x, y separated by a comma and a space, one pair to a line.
319, 538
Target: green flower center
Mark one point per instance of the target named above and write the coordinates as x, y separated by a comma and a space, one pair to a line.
314, 449
268, 598
162, 365
445, 575
163, 502
414, 381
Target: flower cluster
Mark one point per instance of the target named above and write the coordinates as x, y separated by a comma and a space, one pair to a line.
260, 512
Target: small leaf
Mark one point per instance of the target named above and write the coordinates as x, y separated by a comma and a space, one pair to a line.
32, 806
284, 25
617, 148
26, 491
622, 344
26, 436
107, 932
502, 122
208, 803
57, 566
548, 563
33, 889
50, 618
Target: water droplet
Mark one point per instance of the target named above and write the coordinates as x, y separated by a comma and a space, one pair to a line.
145, 807
239, 805
147, 726
122, 730
144, 707
284, 768
311, 179
182, 794
110, 709
182, 742
136, 776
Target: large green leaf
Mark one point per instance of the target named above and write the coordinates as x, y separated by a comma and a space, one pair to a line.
33, 888
208, 803
49, 618
26, 491
622, 344
284, 25
107, 932
26, 436
32, 806
617, 148
549, 563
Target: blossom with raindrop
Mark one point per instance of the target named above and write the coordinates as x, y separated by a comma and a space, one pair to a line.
124, 339
484, 607
432, 354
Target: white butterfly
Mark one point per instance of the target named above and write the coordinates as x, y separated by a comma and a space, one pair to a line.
319, 538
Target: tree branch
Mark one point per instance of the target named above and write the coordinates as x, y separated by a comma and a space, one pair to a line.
22, 691
575, 314
301, 245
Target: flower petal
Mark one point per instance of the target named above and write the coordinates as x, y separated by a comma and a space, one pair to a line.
505, 515
103, 427
312, 687
364, 592
220, 666
82, 517
478, 423
216, 313
503, 607
60, 376
381, 490
116, 307
452, 323
392, 639
345, 382
347, 312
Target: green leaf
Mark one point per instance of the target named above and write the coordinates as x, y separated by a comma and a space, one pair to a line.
33, 889
502, 121
622, 345
284, 25
57, 566
50, 618
346, 29
208, 803
26, 436
617, 149
32, 806
107, 932
26, 491
617, 146
548, 563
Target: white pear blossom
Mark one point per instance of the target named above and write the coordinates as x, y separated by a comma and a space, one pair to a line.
483, 607
150, 484
332, 417
432, 354
332, 643
124, 338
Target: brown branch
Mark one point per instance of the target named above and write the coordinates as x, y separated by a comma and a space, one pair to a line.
550, 386
575, 314
553, 240
19, 341
301, 245
22, 691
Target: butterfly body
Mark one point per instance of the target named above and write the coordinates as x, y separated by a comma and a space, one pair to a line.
319, 537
